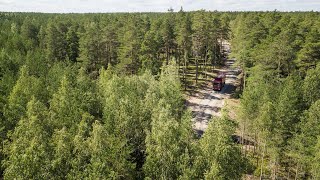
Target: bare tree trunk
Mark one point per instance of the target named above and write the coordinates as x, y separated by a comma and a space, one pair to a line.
297, 170
244, 80
242, 137
178, 59
205, 64
274, 170
213, 60
255, 140
167, 54
131, 65
279, 63
221, 49
184, 70
197, 63
261, 167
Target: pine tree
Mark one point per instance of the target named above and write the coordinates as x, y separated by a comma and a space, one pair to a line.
42, 37
287, 116
110, 39
92, 49
309, 55
37, 64
199, 38
315, 171
311, 86
73, 44
149, 49
56, 43
29, 33
214, 48
168, 38
306, 140
130, 46
184, 41
289, 105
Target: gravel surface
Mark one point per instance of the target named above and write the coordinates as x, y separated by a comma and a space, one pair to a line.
208, 103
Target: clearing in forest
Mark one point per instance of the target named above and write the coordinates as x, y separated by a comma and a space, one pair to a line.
206, 102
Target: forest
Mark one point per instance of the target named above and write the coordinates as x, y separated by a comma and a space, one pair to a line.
102, 96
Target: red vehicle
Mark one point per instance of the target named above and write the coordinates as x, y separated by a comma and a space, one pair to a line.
219, 82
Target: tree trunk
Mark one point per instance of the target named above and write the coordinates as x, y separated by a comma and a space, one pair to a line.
244, 80
297, 171
205, 64
197, 70
242, 137
178, 61
255, 140
274, 170
167, 54
279, 63
261, 167
185, 69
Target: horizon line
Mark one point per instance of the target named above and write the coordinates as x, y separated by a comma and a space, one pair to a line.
113, 12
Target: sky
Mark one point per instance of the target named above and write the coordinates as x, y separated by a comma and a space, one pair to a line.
85, 6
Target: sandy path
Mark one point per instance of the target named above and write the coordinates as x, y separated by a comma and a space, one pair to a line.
208, 103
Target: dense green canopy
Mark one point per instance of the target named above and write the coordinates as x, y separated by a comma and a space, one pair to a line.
99, 96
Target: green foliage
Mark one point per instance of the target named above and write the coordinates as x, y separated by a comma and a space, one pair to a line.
168, 145
305, 142
80, 150
220, 157
288, 106
311, 86
200, 29
162, 145
29, 32
92, 55
278, 55
149, 50
56, 44
129, 121
315, 161
72, 99
73, 44
130, 45
168, 36
61, 152
26, 87
109, 155
37, 64
170, 88
28, 150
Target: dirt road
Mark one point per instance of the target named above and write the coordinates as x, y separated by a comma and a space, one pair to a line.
208, 103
